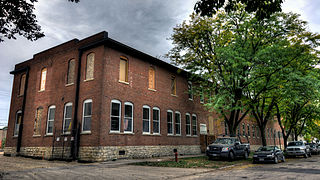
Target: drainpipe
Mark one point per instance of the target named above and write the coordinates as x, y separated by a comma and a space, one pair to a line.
23, 104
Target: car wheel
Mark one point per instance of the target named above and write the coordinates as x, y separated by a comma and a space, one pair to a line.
231, 156
246, 154
275, 160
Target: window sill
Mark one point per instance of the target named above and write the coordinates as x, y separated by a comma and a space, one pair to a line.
128, 133
48, 135
190, 99
152, 90
114, 132
41, 90
123, 82
174, 95
86, 80
201, 102
149, 134
69, 84
66, 134
36, 136
15, 136
21, 95
170, 135
85, 132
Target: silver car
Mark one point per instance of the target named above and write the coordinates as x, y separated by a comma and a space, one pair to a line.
298, 148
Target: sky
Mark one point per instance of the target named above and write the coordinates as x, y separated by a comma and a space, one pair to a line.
145, 25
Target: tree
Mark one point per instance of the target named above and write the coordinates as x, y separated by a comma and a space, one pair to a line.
262, 8
17, 17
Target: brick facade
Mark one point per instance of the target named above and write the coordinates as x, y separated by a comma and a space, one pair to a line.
102, 89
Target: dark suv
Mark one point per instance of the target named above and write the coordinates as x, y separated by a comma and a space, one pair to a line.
228, 147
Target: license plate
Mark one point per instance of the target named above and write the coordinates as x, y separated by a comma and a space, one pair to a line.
261, 159
214, 154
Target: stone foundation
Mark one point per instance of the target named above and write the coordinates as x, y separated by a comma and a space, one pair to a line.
104, 153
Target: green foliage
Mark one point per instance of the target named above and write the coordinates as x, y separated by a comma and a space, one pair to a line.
262, 8
3, 143
17, 17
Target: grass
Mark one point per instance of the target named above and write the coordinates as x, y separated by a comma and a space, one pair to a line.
195, 162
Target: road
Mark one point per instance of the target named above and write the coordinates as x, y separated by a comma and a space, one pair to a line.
41, 169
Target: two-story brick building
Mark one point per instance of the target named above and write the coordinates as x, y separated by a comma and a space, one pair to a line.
96, 99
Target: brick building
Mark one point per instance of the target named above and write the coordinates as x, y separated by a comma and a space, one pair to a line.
96, 99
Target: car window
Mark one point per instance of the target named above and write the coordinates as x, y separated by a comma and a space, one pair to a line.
225, 141
266, 148
295, 144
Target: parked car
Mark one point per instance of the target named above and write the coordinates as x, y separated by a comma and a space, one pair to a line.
298, 148
268, 154
228, 148
314, 148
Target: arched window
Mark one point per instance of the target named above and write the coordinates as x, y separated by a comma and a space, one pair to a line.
37, 122
67, 118
90, 66
115, 115
170, 122
146, 119
152, 82
43, 79
194, 124
71, 71
123, 72
177, 118
188, 124
17, 123
156, 120
50, 120
22, 84
86, 115
128, 117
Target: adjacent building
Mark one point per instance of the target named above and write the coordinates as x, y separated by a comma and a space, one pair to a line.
97, 99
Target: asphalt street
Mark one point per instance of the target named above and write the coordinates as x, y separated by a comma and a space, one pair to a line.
299, 168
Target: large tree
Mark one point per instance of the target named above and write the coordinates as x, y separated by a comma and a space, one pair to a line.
17, 17
262, 8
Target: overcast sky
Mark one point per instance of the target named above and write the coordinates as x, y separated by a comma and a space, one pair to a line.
142, 24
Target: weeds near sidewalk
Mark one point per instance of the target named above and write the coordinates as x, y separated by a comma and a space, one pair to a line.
194, 162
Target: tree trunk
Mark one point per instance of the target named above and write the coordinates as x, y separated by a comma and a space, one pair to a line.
285, 141
263, 136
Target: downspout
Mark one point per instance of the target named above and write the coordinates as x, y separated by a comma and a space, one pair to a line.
75, 133
75, 128
23, 105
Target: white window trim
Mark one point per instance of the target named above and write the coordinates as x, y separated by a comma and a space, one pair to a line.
175, 122
15, 124
124, 116
171, 122
117, 102
190, 124
156, 108
84, 102
190, 91
50, 107
147, 107
194, 115
64, 116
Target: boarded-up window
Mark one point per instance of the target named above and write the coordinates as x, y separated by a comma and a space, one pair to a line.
90, 66
173, 85
152, 78
22, 84
43, 79
71, 69
123, 74
37, 122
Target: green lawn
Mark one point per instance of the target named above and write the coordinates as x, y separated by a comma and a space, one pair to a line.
195, 162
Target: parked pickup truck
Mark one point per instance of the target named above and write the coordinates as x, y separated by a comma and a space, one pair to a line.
229, 148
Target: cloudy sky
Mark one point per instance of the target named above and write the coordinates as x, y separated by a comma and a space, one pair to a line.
142, 24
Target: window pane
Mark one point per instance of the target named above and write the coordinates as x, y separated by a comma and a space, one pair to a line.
87, 109
68, 112
17, 125
155, 126
194, 125
128, 111
87, 124
173, 85
71, 70
43, 79
51, 113
169, 122
115, 111
90, 66
115, 124
146, 126
67, 125
145, 113
123, 75
156, 114
188, 125
127, 124
50, 127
